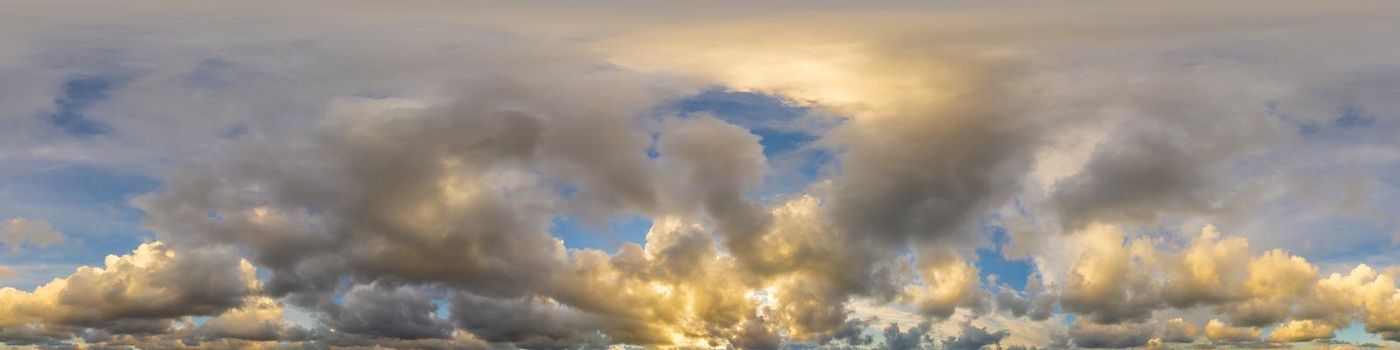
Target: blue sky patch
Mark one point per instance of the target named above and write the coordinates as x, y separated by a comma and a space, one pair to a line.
743, 108
1353, 117
616, 232
87, 204
77, 96
779, 125
786, 132
1011, 272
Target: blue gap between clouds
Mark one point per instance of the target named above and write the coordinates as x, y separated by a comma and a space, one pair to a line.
763, 114
777, 124
88, 204
990, 261
610, 237
760, 113
79, 94
1356, 333
105, 194
1349, 118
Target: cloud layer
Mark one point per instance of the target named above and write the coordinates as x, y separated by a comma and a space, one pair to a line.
1192, 179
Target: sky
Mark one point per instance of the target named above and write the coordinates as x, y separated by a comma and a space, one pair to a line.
624, 175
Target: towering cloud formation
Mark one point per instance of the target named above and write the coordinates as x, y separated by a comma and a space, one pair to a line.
409, 188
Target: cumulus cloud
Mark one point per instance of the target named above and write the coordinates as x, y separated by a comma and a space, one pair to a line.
1116, 335
1217, 330
1298, 331
390, 312
1364, 292
138, 292
950, 282
911, 338
1178, 330
1117, 281
1110, 281
1036, 302
1203, 271
716, 164
410, 210
530, 321
259, 319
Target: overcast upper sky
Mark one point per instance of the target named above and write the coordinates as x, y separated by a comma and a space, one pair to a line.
951, 175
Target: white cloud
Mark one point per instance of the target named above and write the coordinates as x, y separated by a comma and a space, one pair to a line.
34, 232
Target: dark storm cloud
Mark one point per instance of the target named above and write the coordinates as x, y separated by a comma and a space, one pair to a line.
528, 321
973, 338
911, 338
390, 312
